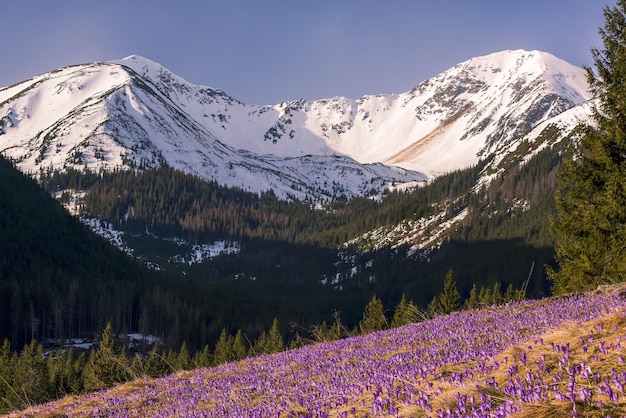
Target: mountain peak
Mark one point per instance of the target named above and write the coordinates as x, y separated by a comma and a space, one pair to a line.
147, 68
137, 61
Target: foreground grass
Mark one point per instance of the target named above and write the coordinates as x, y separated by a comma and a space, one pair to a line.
554, 357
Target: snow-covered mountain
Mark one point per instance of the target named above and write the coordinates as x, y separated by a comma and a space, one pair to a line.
133, 113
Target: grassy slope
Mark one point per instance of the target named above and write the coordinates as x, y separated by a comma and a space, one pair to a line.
529, 358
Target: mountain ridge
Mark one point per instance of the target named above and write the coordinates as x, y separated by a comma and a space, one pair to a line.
134, 113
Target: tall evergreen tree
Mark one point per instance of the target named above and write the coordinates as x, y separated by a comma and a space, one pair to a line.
156, 364
183, 359
473, 301
405, 313
373, 317
450, 299
107, 365
240, 348
202, 358
590, 225
270, 342
6, 374
229, 348
31, 383
223, 352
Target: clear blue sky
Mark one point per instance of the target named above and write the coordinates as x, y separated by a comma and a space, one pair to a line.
267, 51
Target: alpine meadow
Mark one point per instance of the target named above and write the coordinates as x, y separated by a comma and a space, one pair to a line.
456, 250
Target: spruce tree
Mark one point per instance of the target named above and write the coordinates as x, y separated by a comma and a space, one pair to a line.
405, 313
434, 308
450, 298
337, 331
156, 364
183, 359
321, 332
224, 348
270, 342
6, 375
590, 224
107, 365
473, 301
202, 358
373, 317
239, 346
31, 383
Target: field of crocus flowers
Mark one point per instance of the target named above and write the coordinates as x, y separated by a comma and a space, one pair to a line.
553, 357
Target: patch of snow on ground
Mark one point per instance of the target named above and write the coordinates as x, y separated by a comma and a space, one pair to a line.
201, 252
73, 203
135, 338
106, 230
419, 233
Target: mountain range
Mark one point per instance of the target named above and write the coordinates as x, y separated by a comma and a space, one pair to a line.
245, 213
134, 113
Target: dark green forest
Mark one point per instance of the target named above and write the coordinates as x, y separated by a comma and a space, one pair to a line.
58, 279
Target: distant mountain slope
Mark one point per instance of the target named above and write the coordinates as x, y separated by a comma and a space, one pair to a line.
135, 113
56, 276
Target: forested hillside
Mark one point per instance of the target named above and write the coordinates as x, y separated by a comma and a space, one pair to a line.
58, 278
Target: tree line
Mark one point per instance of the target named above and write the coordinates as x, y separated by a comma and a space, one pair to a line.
172, 203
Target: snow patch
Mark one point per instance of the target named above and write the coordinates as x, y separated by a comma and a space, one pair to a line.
106, 230
202, 252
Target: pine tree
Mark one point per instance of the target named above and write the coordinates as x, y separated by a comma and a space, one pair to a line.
373, 317
450, 299
590, 224
6, 375
202, 358
183, 359
484, 296
223, 352
171, 358
473, 301
270, 342
321, 332
60, 370
337, 331
156, 364
496, 294
107, 365
31, 383
434, 308
239, 346
510, 293
405, 313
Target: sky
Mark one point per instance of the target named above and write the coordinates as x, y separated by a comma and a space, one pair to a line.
268, 51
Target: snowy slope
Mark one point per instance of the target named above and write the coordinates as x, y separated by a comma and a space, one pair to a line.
133, 113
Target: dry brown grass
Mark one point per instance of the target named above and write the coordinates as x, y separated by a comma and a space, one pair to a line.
606, 329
